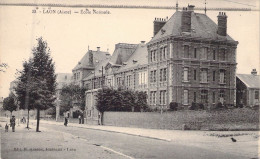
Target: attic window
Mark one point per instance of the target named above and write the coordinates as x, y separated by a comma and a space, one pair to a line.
134, 61
162, 31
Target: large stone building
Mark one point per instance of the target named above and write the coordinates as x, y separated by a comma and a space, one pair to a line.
191, 59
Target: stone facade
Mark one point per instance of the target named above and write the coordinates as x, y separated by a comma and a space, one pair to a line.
190, 67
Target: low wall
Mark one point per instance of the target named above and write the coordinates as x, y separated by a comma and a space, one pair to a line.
233, 119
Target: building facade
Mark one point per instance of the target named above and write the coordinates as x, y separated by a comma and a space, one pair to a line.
127, 68
191, 59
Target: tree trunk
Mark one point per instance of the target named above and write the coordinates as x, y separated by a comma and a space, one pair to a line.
28, 119
38, 120
101, 118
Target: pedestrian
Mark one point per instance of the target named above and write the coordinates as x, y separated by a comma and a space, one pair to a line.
79, 119
24, 120
12, 123
82, 119
66, 121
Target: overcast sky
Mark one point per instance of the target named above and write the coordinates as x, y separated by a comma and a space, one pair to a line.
69, 36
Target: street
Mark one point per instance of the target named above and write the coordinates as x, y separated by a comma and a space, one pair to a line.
58, 141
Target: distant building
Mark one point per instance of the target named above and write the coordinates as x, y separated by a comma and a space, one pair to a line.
191, 59
248, 87
87, 65
62, 79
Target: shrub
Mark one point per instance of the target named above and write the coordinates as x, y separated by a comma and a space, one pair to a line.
173, 106
201, 106
219, 105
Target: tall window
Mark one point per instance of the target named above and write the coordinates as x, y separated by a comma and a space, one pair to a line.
185, 97
256, 94
151, 56
154, 76
204, 53
195, 97
163, 74
118, 80
151, 76
154, 97
222, 76
195, 53
185, 74
128, 80
154, 55
163, 97
222, 55
161, 53
213, 97
165, 53
204, 76
214, 76
204, 96
221, 96
195, 75
214, 54
186, 51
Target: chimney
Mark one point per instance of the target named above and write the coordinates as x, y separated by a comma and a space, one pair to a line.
186, 19
254, 72
90, 57
222, 24
158, 23
191, 8
98, 48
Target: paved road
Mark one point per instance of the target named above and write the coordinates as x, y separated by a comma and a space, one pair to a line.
128, 146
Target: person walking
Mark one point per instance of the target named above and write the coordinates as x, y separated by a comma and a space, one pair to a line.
79, 119
12, 123
66, 121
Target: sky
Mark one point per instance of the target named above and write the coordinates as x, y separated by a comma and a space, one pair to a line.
70, 35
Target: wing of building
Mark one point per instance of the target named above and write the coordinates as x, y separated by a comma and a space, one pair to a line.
248, 87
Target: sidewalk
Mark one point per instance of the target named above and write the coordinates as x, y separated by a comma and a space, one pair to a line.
246, 145
51, 144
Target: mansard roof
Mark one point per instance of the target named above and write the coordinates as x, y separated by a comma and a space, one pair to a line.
251, 81
98, 69
97, 57
138, 58
201, 27
122, 52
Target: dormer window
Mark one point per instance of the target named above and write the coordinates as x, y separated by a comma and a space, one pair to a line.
134, 61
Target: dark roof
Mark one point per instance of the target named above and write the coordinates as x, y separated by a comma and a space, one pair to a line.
98, 69
251, 81
138, 58
122, 52
97, 57
201, 25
